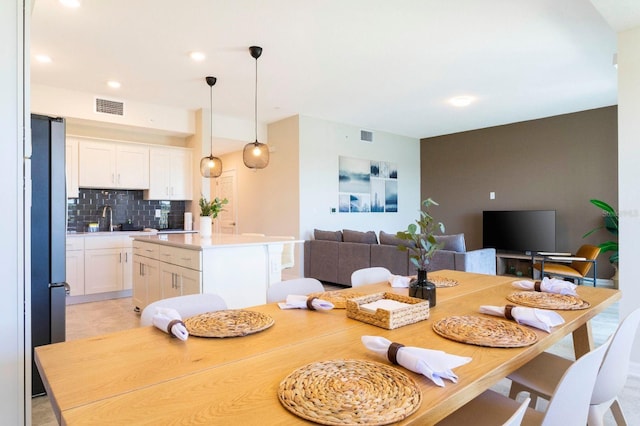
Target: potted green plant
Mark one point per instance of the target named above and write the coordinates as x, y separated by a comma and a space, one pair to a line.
208, 212
609, 223
422, 246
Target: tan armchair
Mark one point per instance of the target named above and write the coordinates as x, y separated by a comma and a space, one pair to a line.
576, 267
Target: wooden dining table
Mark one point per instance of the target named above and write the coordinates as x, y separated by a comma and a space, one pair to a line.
145, 376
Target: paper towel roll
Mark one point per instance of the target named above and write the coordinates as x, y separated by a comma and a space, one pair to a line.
188, 221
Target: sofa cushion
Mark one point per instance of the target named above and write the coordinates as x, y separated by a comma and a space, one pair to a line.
327, 235
453, 242
349, 236
392, 240
323, 260
351, 257
388, 256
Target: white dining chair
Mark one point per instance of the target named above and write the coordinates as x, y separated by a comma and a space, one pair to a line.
187, 306
279, 291
518, 416
372, 275
568, 406
540, 376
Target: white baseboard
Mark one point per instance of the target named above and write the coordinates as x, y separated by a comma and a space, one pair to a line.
98, 297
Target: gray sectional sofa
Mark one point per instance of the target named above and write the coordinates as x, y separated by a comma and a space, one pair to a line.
333, 255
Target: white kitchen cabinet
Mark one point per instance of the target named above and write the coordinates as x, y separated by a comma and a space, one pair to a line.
145, 281
145, 274
104, 270
71, 167
161, 271
169, 174
107, 263
127, 268
105, 164
75, 266
178, 281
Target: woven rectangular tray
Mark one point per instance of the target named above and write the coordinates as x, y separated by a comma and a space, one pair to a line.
418, 311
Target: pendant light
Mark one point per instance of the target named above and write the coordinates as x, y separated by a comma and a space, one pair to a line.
255, 154
211, 167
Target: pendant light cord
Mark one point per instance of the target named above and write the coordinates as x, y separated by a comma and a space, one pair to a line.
211, 119
256, 102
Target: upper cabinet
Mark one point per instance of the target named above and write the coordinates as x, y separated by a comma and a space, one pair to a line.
104, 164
169, 174
71, 167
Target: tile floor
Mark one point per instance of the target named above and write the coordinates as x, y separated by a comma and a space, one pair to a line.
90, 319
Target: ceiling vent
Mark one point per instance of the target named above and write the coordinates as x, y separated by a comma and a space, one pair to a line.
106, 106
366, 136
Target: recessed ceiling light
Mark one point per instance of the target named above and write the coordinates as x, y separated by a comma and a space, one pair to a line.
113, 84
461, 101
43, 58
197, 56
70, 3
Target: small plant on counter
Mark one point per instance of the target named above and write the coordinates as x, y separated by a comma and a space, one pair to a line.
212, 208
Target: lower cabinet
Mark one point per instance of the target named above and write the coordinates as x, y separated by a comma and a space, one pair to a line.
178, 281
99, 264
159, 272
75, 266
145, 277
108, 270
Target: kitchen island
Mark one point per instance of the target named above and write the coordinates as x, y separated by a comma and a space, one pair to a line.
239, 268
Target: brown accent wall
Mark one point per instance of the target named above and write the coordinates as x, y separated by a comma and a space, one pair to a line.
555, 163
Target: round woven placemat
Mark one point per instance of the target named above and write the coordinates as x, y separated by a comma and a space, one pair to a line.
483, 331
337, 297
350, 392
228, 323
537, 299
441, 281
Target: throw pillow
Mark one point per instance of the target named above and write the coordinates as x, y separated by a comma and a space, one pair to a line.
453, 242
327, 235
350, 236
392, 240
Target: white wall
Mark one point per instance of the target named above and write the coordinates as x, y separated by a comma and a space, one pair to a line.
80, 105
141, 120
268, 198
321, 143
295, 193
628, 171
13, 389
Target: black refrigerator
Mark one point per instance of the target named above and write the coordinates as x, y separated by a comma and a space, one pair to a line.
48, 235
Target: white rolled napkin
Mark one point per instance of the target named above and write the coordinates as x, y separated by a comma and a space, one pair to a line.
435, 365
170, 321
548, 285
305, 302
542, 319
399, 280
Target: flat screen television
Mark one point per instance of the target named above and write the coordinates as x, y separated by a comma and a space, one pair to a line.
527, 231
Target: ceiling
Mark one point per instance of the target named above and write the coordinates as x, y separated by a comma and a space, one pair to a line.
378, 64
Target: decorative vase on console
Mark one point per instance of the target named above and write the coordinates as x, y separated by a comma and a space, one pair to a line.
208, 212
422, 245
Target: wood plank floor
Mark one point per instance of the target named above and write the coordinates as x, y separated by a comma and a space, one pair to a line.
90, 319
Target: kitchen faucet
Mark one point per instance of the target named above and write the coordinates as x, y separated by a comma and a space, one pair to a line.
104, 214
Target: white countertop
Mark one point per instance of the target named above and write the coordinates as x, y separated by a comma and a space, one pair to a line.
112, 234
195, 242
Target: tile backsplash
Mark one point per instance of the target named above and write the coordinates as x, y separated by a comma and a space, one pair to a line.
126, 206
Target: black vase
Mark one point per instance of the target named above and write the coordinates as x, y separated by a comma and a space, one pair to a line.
423, 288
